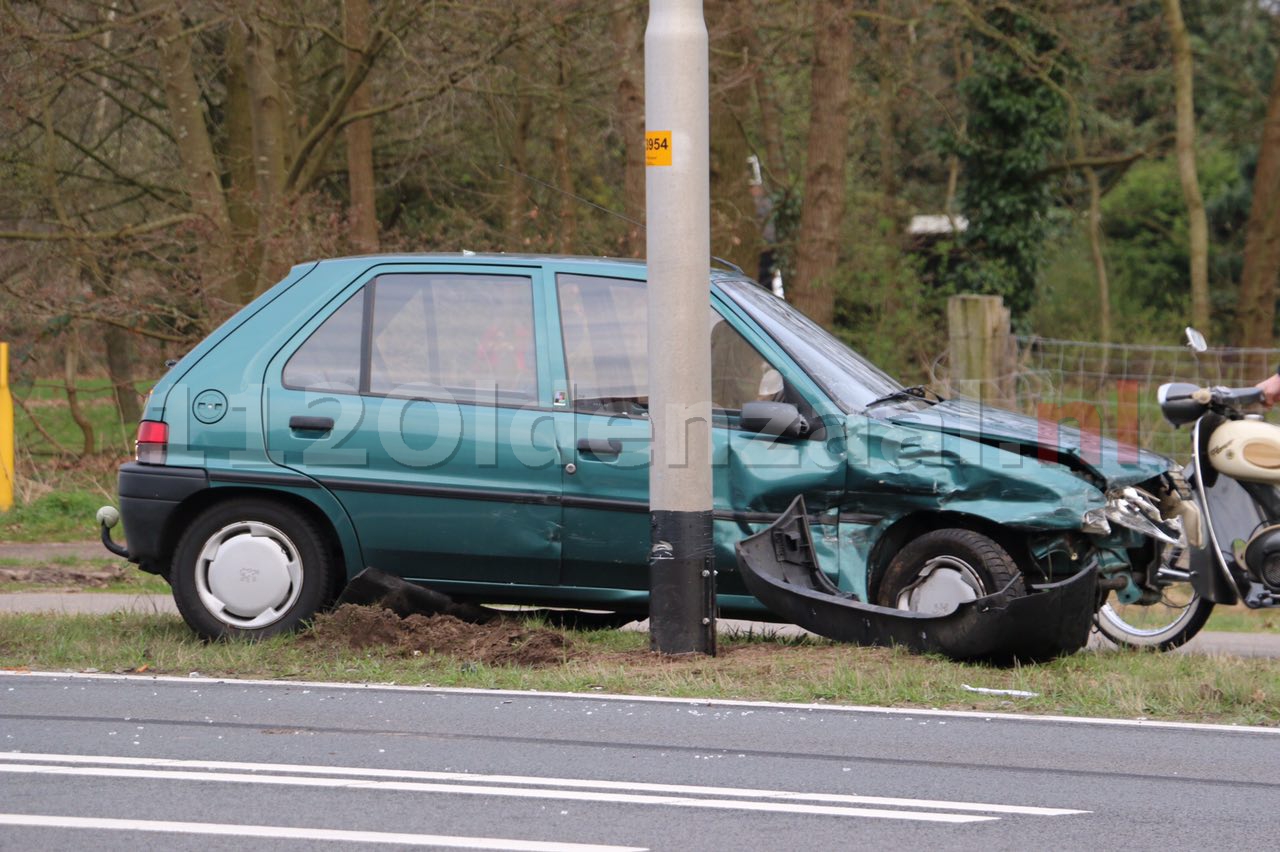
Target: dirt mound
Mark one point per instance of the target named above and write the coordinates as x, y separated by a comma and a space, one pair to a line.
498, 642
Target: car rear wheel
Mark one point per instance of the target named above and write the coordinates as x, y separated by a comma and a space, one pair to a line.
250, 568
945, 568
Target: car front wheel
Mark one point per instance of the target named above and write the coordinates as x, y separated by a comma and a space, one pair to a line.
250, 568
945, 568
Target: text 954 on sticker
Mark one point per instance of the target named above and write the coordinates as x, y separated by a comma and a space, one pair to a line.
657, 148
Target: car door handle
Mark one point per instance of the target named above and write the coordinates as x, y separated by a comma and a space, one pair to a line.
600, 446
311, 424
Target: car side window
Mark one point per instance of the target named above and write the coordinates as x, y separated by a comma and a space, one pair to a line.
466, 336
603, 322
330, 358
739, 374
605, 339
471, 335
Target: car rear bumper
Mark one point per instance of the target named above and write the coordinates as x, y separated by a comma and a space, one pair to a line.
149, 495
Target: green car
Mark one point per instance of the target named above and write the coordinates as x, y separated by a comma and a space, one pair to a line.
478, 424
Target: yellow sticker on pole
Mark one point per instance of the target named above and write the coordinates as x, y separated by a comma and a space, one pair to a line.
657, 148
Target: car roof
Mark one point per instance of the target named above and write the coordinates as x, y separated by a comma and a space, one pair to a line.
505, 257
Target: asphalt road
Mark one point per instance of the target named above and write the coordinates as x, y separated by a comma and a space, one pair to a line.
117, 763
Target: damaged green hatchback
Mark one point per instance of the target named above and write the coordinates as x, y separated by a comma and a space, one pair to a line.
478, 424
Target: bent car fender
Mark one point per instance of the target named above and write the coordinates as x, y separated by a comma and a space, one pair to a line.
778, 566
908, 469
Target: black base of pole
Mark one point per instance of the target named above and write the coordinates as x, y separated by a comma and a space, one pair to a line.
682, 583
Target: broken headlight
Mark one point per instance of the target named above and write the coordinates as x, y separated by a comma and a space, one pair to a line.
1137, 510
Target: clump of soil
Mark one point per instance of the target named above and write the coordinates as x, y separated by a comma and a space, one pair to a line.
498, 642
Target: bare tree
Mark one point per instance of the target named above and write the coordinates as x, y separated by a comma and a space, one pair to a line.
1260, 278
628, 39
735, 234
822, 212
359, 134
1197, 221
195, 149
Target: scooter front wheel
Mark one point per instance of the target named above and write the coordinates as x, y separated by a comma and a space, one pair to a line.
1163, 625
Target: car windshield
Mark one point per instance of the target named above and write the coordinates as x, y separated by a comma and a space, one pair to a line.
850, 380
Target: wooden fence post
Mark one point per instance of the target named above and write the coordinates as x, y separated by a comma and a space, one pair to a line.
982, 349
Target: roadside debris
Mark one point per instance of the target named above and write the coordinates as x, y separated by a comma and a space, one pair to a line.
372, 587
1016, 693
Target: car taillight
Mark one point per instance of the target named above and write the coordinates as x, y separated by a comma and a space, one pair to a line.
153, 442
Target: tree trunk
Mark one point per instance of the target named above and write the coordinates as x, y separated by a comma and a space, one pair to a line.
517, 204
1095, 250
886, 115
962, 55
239, 165
359, 134
562, 145
628, 39
266, 112
1261, 276
1198, 225
775, 162
120, 359
71, 375
735, 234
118, 342
182, 95
822, 212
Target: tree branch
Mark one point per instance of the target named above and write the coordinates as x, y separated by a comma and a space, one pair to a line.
1102, 161
330, 121
119, 234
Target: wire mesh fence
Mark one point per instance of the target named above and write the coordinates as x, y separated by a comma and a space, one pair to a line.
1110, 389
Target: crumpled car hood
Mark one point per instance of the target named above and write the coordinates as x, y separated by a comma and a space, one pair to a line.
1118, 464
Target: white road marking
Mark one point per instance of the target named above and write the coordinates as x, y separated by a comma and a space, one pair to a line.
290, 833
481, 790
739, 792
604, 697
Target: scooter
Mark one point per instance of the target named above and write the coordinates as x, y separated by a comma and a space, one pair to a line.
1231, 523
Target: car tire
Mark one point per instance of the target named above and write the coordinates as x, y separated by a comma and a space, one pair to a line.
944, 568
250, 568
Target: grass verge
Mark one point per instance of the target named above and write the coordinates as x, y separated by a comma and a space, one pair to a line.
66, 515
1108, 684
1241, 619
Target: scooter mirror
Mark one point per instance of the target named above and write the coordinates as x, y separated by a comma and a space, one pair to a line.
1196, 340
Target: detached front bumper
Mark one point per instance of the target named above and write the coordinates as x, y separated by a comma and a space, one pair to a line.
778, 567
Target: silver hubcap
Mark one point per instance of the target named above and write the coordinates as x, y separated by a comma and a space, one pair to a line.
943, 584
248, 574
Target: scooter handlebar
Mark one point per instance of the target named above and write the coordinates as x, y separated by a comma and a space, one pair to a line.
1236, 396
1183, 403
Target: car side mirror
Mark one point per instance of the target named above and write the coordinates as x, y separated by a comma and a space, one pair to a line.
779, 419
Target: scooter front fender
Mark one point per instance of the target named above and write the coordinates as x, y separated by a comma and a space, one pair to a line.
779, 567
1228, 513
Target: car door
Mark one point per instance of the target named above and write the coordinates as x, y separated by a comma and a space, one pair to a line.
419, 400
606, 485
606, 497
